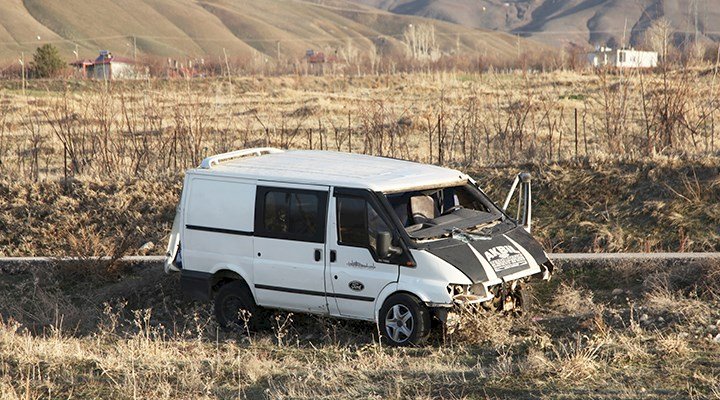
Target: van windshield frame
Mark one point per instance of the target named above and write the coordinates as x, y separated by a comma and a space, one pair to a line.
438, 211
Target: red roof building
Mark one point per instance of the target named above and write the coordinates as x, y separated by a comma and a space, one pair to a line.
106, 67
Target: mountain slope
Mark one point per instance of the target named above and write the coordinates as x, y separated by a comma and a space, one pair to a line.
559, 22
245, 29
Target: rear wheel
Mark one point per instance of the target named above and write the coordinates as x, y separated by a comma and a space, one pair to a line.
235, 307
404, 320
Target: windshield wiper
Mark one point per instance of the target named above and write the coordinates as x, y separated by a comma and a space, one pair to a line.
465, 236
451, 210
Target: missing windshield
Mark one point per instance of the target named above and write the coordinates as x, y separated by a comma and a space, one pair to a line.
439, 211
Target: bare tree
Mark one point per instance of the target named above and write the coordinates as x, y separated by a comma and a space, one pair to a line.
349, 53
659, 37
421, 43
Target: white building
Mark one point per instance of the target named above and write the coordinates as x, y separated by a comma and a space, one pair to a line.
623, 58
107, 67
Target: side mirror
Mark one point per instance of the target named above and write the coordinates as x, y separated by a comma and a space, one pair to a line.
384, 245
383, 241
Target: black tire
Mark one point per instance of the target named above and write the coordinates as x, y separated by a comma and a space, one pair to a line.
407, 331
524, 300
233, 300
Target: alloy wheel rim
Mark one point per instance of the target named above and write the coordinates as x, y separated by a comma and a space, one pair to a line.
399, 323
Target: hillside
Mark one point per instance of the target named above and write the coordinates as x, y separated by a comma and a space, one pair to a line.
559, 22
203, 28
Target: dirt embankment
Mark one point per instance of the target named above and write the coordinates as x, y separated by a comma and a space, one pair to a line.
86, 217
631, 207
602, 331
577, 208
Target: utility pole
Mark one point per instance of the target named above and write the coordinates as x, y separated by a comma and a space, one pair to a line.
134, 48
227, 67
687, 23
278, 51
695, 3
22, 70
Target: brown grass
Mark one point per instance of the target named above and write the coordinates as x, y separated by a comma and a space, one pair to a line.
606, 208
93, 330
637, 181
146, 342
572, 300
159, 127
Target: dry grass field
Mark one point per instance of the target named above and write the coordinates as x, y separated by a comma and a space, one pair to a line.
146, 128
616, 331
650, 206
638, 172
92, 169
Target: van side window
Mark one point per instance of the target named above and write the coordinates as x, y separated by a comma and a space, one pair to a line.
291, 214
358, 223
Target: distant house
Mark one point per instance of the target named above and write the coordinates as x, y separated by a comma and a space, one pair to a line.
82, 66
318, 57
623, 58
107, 67
190, 69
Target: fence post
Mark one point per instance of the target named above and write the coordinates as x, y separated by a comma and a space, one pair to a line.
440, 144
585, 136
349, 134
576, 134
65, 161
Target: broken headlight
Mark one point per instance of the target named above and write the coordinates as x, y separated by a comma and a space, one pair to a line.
467, 294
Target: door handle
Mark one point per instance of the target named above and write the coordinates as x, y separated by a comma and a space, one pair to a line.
333, 256
318, 255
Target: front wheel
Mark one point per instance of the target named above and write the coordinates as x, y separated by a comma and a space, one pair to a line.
404, 320
523, 299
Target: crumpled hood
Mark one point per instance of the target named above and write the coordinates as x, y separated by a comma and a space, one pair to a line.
501, 257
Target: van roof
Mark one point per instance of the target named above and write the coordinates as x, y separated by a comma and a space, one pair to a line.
337, 169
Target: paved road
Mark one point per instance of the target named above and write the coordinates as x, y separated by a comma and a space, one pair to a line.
632, 256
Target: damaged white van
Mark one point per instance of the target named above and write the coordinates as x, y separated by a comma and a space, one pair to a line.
350, 236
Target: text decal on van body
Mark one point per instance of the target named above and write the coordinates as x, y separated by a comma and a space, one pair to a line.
504, 257
357, 264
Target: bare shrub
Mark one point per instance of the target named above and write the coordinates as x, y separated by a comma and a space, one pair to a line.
476, 325
155, 127
281, 327
43, 303
629, 347
662, 297
504, 366
570, 299
577, 361
673, 345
